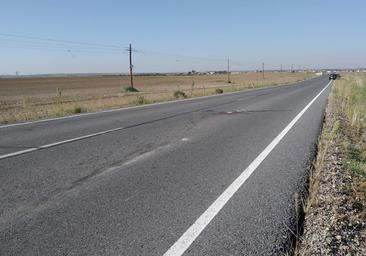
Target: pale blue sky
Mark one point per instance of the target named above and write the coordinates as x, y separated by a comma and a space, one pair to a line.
180, 35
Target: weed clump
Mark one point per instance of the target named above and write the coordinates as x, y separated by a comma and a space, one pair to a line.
131, 89
219, 91
71, 111
78, 110
355, 160
140, 100
180, 94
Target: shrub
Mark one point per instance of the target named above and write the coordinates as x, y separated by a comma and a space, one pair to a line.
180, 94
140, 100
219, 91
71, 111
78, 110
131, 89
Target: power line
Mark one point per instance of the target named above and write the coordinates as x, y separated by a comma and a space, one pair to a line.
177, 55
62, 41
53, 45
41, 46
58, 49
70, 46
180, 56
39, 43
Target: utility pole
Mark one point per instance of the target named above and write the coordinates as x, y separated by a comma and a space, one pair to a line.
281, 68
263, 70
131, 66
228, 70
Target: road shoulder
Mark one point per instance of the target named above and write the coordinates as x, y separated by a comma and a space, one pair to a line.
335, 211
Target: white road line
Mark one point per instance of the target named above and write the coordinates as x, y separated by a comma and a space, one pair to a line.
185, 241
143, 106
17, 153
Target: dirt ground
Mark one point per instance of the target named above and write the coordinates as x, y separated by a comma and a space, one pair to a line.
24, 99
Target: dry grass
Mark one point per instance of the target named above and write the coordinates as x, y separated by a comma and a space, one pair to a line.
34, 98
327, 136
350, 94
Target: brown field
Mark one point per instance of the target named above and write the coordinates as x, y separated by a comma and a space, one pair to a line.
33, 98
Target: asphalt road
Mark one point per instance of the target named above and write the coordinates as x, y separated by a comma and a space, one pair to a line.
133, 181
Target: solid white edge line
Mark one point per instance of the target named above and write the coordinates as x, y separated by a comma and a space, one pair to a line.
144, 106
185, 241
17, 153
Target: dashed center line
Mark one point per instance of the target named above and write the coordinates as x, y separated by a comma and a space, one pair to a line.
17, 153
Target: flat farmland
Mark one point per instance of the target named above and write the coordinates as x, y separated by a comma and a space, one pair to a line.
23, 99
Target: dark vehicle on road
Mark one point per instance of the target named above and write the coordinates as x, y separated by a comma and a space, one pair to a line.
333, 76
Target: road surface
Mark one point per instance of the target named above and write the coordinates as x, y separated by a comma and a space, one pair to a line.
208, 176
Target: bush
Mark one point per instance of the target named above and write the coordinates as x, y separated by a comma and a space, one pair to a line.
179, 94
78, 110
140, 100
131, 89
71, 111
219, 91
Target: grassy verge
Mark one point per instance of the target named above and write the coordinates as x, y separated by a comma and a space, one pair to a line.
336, 205
350, 97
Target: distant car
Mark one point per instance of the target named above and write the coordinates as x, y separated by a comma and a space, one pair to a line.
333, 76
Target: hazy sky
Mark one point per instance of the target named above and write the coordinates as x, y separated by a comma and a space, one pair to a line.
180, 35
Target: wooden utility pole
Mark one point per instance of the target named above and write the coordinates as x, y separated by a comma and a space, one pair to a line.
228, 70
131, 66
263, 70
